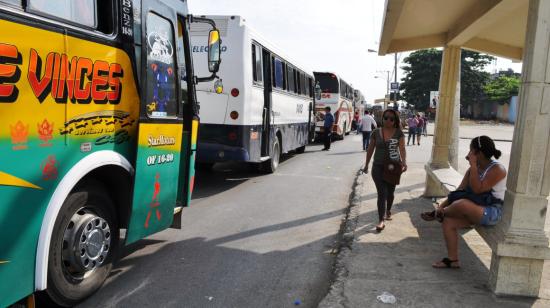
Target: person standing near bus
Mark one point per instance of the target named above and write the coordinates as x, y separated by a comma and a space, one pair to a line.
419, 128
387, 144
412, 122
327, 127
367, 124
357, 122
425, 128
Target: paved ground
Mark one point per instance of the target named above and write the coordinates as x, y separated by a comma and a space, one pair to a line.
248, 240
398, 260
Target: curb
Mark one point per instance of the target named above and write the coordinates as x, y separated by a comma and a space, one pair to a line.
336, 296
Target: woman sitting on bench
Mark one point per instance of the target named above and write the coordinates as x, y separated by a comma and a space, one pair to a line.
477, 201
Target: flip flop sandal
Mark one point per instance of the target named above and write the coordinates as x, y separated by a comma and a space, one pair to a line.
428, 216
388, 216
440, 215
379, 229
446, 263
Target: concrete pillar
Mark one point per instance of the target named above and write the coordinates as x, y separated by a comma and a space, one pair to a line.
517, 262
445, 144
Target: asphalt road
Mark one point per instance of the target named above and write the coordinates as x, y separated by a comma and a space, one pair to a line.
249, 240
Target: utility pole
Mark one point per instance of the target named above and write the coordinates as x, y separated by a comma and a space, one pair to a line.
395, 107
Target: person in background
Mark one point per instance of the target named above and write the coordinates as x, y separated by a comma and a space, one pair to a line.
412, 122
388, 137
477, 201
419, 128
357, 121
367, 124
327, 128
425, 128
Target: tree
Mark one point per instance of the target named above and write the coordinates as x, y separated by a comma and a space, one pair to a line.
422, 72
502, 88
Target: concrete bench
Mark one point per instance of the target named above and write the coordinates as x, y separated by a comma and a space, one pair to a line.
445, 180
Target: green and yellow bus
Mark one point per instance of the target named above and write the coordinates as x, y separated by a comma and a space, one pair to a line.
98, 130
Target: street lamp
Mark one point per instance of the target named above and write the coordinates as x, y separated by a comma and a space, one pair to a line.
395, 76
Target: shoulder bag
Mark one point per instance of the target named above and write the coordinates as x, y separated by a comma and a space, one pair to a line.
392, 168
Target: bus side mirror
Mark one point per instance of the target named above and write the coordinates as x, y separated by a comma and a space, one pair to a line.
214, 51
317, 91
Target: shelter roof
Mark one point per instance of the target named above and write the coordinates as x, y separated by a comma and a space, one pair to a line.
496, 27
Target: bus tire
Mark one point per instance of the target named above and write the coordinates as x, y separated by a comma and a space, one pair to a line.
271, 165
301, 149
83, 246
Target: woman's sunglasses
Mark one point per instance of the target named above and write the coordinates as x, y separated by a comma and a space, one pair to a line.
386, 118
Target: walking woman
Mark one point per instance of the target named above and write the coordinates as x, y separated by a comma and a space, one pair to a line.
388, 146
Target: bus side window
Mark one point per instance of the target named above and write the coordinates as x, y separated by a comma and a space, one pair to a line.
298, 81
303, 78
291, 82
278, 72
83, 12
137, 34
285, 80
161, 73
14, 3
257, 64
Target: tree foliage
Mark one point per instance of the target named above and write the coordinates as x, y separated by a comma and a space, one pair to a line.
501, 89
422, 71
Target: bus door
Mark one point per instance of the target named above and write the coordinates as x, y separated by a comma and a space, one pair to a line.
268, 89
160, 129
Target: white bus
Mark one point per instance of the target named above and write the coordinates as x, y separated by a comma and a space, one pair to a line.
266, 107
338, 95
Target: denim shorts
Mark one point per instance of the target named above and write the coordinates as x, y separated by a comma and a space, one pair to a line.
491, 215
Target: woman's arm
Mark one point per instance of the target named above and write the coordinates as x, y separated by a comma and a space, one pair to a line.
493, 176
464, 182
403, 152
370, 151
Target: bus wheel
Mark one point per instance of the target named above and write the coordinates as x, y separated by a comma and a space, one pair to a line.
84, 240
271, 165
301, 149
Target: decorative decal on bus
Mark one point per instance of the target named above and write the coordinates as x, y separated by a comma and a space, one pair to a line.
154, 202
19, 136
161, 47
160, 141
163, 75
45, 133
10, 180
205, 48
78, 79
49, 167
100, 122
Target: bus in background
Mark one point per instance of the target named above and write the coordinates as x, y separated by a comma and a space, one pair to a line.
98, 129
266, 107
359, 103
338, 95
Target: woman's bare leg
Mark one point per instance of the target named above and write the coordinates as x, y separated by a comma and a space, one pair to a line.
465, 209
450, 233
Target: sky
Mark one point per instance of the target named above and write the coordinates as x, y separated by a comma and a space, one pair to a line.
323, 35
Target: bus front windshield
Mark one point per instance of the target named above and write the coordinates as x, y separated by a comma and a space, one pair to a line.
328, 82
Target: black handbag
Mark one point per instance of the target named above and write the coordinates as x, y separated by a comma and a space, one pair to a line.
483, 199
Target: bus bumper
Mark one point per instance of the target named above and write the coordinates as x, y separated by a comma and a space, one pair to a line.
212, 153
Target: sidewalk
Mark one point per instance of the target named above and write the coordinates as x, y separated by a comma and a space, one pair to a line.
501, 132
398, 260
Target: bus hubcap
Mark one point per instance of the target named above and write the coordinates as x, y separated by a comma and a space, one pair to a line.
86, 242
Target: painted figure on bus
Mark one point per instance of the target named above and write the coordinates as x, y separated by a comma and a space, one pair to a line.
161, 87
